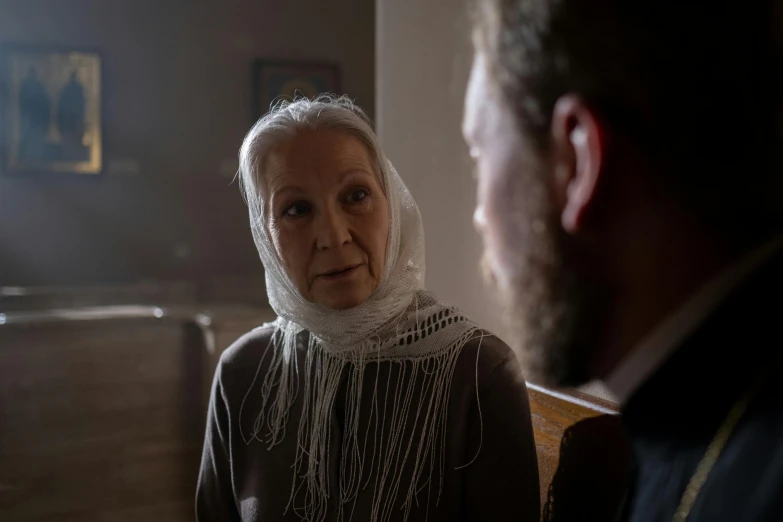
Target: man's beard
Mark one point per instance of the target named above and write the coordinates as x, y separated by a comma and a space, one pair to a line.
553, 309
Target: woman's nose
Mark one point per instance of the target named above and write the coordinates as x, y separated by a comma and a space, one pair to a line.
332, 229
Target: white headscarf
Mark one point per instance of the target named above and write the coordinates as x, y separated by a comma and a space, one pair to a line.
399, 322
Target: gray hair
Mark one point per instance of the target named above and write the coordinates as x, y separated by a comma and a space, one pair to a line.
287, 118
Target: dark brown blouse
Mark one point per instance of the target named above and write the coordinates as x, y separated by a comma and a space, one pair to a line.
249, 482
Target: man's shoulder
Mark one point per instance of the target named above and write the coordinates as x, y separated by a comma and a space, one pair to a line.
748, 476
763, 423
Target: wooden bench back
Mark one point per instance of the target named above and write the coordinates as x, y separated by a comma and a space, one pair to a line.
582, 455
102, 411
99, 421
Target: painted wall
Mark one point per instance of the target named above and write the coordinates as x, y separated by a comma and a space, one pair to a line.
422, 61
177, 93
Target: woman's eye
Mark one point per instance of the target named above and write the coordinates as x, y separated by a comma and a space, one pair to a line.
357, 195
296, 210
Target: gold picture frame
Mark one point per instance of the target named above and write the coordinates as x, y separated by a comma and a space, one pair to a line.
53, 111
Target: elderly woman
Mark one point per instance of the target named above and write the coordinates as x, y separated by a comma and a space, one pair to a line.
367, 399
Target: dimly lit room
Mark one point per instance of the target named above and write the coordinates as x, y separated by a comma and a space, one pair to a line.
390, 261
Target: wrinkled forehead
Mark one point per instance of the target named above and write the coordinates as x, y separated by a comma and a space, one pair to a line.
316, 156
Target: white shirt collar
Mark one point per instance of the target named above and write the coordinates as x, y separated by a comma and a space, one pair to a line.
640, 363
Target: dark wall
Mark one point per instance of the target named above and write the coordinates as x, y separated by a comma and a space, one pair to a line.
177, 103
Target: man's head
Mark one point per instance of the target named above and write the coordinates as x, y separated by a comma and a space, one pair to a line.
624, 149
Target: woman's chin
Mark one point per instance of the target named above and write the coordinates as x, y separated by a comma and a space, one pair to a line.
344, 304
344, 301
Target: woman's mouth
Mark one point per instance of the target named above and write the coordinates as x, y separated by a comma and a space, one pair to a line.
339, 273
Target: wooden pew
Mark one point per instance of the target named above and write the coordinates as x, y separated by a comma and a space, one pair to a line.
102, 410
583, 455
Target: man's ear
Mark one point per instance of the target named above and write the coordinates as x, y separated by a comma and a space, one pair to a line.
578, 149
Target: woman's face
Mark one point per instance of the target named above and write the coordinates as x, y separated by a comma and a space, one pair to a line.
328, 217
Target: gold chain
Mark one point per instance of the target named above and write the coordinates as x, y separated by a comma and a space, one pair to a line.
716, 447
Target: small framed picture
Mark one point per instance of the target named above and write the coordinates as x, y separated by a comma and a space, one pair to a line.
273, 81
52, 101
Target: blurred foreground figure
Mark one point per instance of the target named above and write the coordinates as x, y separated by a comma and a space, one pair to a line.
629, 197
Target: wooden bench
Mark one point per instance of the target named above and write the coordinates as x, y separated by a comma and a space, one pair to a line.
583, 455
102, 410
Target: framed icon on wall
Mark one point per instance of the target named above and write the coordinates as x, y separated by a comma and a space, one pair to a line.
52, 107
276, 80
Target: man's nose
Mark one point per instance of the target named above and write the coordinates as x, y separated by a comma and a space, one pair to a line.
479, 218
